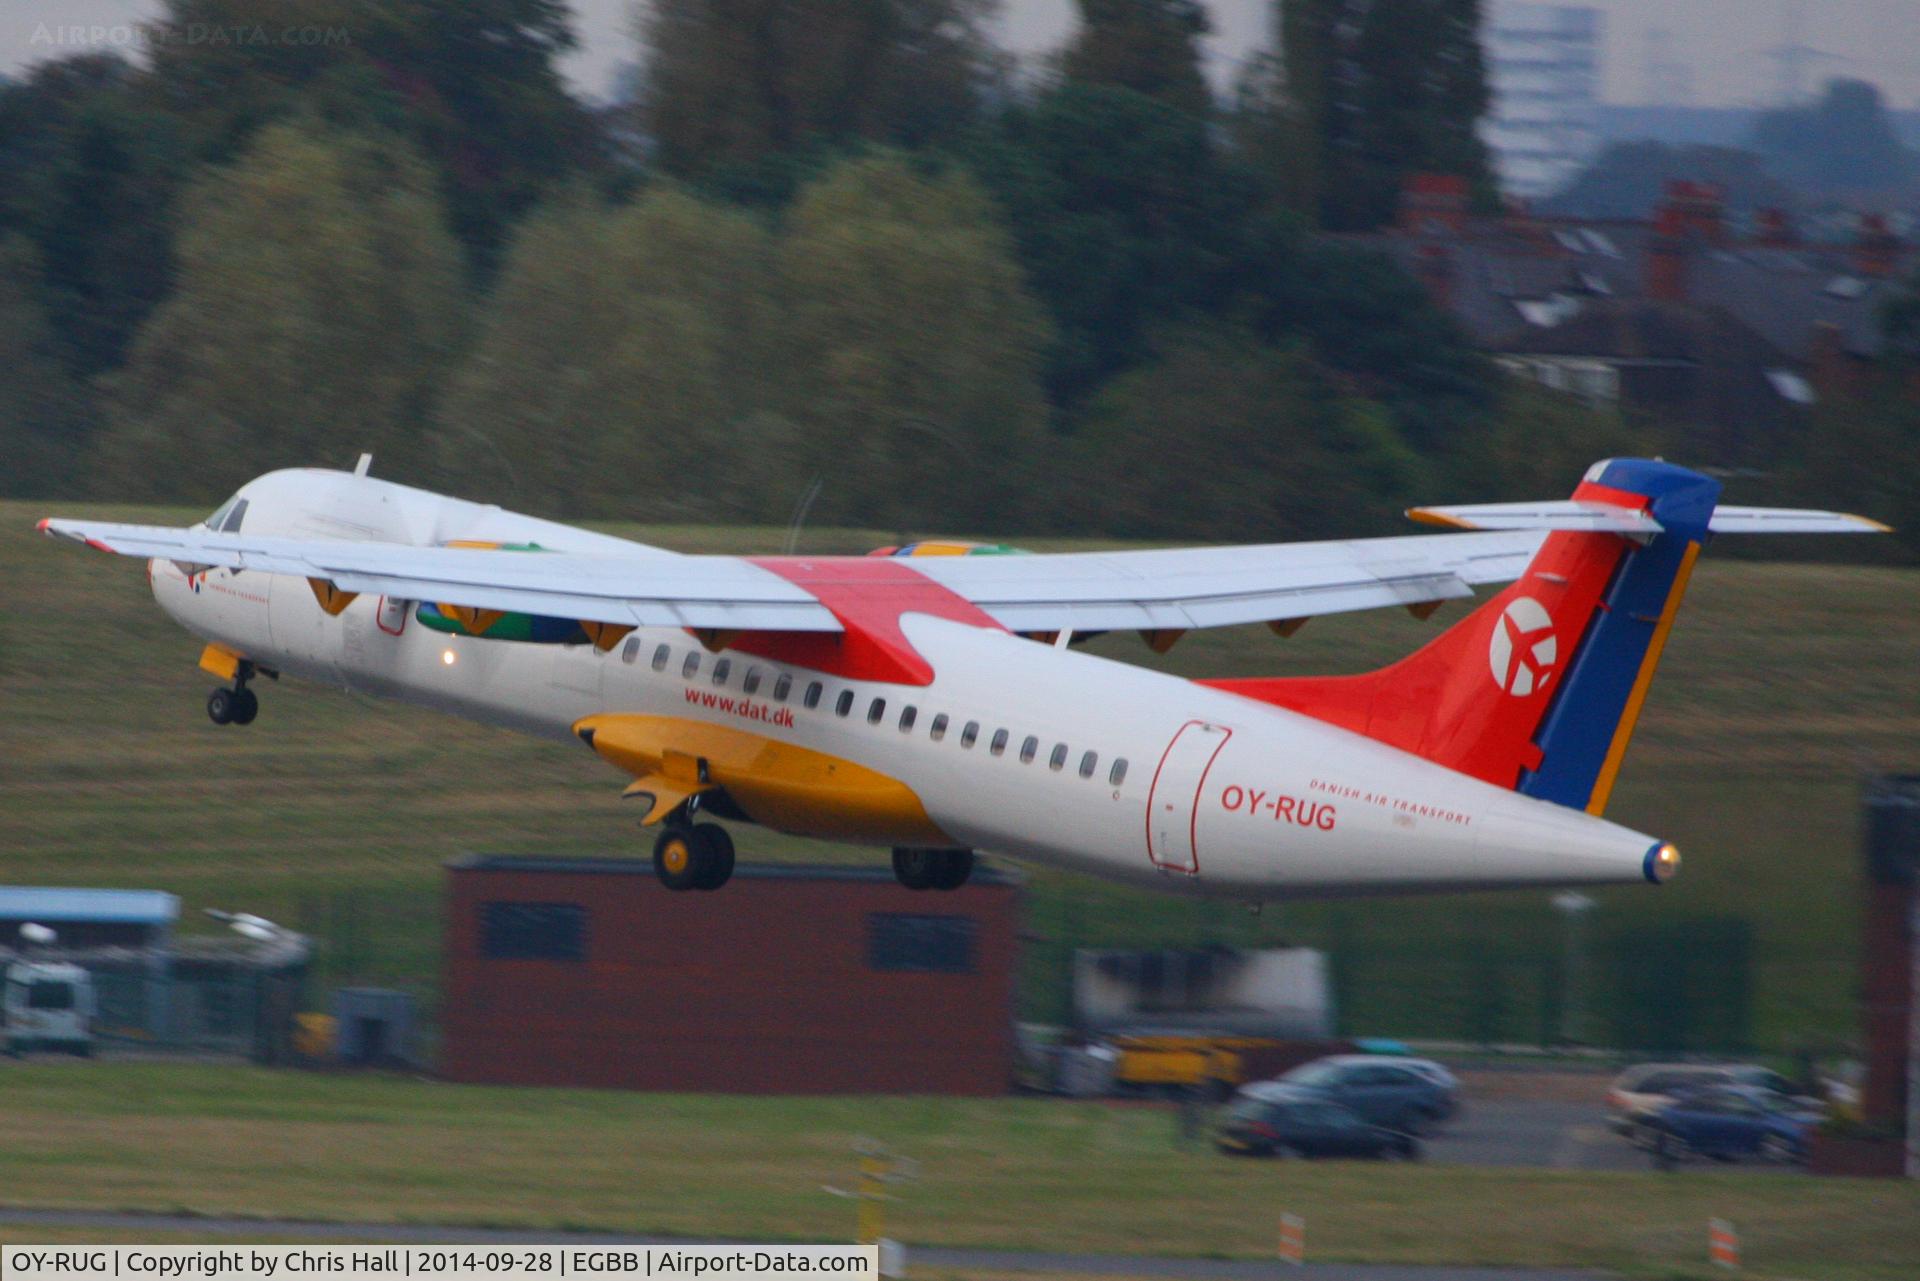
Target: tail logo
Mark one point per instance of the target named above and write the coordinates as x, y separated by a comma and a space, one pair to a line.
1524, 647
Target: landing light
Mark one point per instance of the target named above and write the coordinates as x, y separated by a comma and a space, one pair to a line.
1663, 860
446, 657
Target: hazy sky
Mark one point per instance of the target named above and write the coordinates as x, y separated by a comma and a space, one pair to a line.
1722, 44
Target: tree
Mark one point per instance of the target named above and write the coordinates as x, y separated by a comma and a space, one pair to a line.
735, 89
475, 85
625, 368
1392, 88
1148, 46
1843, 143
916, 348
44, 412
318, 301
91, 177
1224, 437
1125, 216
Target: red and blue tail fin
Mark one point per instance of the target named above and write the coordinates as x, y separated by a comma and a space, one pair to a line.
1538, 689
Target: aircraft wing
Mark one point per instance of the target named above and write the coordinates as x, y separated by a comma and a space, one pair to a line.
704, 592
1161, 590
1180, 588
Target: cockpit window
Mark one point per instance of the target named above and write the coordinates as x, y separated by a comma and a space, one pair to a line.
227, 519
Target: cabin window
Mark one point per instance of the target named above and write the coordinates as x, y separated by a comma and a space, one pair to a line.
876, 710
630, 650
782, 686
907, 715
1029, 748
843, 704
721, 670
692, 665
752, 682
660, 657
971, 734
1087, 764
1059, 758
814, 690
1118, 774
999, 744
938, 730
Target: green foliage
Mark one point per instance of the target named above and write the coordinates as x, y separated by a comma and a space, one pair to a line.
318, 301
44, 411
915, 348
90, 175
1843, 143
1125, 215
1148, 46
624, 367
735, 86
1390, 88
473, 84
1537, 442
1226, 438
1859, 455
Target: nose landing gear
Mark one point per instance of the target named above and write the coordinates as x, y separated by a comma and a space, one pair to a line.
236, 706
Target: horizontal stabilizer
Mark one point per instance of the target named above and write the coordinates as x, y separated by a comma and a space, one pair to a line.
1609, 518
1584, 517
1789, 520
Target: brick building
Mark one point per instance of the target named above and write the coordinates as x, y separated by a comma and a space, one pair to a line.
791, 980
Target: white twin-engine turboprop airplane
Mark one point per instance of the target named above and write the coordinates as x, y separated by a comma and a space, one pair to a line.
926, 698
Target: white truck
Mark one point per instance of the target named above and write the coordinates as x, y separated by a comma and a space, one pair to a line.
48, 1005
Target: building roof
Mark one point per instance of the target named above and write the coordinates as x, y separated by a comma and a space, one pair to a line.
983, 873
120, 907
1500, 272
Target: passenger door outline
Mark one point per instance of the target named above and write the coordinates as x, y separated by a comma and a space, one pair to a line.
1173, 801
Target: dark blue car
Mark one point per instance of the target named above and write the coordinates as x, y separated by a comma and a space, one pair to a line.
1731, 1123
1269, 1119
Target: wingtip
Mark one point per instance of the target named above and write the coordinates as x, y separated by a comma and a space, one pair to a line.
1435, 516
1868, 521
45, 524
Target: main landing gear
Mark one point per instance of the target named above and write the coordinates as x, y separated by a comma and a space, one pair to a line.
923, 869
236, 706
693, 857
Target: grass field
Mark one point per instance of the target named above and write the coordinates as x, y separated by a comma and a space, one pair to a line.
246, 1141
1784, 685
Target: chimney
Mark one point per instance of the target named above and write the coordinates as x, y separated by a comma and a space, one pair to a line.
1876, 250
1774, 230
1667, 256
1433, 204
1434, 269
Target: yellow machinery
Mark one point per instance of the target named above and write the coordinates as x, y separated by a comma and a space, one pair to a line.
1215, 1063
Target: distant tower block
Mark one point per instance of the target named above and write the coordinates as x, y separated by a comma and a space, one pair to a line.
1543, 66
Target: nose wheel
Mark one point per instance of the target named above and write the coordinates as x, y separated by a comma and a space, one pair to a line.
236, 706
693, 857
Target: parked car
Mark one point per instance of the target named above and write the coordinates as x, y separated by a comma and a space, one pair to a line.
48, 1006
1404, 1094
1645, 1088
1731, 1123
1270, 1119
